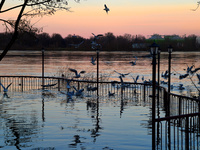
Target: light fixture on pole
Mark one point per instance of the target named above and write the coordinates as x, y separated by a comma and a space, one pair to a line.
153, 51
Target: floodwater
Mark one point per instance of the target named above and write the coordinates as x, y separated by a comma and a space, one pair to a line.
33, 120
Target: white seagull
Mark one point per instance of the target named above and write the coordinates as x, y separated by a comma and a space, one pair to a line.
5, 89
106, 8
198, 3
77, 75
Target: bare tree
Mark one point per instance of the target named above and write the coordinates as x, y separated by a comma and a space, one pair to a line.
27, 10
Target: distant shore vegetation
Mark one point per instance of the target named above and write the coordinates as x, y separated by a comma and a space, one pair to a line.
109, 42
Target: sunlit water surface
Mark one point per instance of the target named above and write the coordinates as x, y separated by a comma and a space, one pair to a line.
30, 120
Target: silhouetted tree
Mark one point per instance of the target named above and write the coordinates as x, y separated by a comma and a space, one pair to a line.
27, 9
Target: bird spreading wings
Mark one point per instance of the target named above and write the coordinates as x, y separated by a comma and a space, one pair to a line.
77, 75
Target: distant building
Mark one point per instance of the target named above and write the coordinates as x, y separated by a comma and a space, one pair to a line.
139, 45
156, 37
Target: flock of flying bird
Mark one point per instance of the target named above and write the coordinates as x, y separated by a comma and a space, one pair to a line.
190, 71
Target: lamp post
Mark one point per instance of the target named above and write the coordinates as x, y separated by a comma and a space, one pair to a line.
97, 73
158, 94
42, 68
154, 51
170, 49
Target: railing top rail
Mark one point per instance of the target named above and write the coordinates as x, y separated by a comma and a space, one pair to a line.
177, 117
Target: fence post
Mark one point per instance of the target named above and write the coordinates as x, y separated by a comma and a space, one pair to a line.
58, 84
22, 84
187, 133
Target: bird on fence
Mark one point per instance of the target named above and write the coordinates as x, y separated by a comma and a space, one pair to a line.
5, 89
106, 8
77, 75
198, 3
93, 60
133, 63
122, 74
198, 76
78, 92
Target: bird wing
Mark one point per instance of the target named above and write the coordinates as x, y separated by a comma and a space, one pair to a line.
2, 86
82, 71
105, 6
196, 7
73, 70
100, 35
137, 77
126, 74
198, 76
75, 88
117, 72
81, 43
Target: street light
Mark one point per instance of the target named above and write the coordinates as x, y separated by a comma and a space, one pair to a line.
42, 68
170, 49
153, 51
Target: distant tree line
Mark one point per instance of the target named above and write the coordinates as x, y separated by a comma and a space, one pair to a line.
109, 42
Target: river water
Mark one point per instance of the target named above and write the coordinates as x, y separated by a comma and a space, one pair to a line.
32, 121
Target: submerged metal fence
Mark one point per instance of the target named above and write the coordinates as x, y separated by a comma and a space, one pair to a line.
177, 123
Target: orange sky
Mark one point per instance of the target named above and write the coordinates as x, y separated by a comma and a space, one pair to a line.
127, 16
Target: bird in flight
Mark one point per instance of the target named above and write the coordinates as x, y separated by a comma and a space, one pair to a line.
198, 3
106, 8
93, 60
5, 89
77, 45
96, 37
77, 75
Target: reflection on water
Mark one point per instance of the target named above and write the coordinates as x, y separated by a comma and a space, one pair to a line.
46, 120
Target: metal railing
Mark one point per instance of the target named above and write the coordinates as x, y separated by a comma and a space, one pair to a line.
180, 129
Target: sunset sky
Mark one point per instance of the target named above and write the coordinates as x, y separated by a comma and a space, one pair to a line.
144, 17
